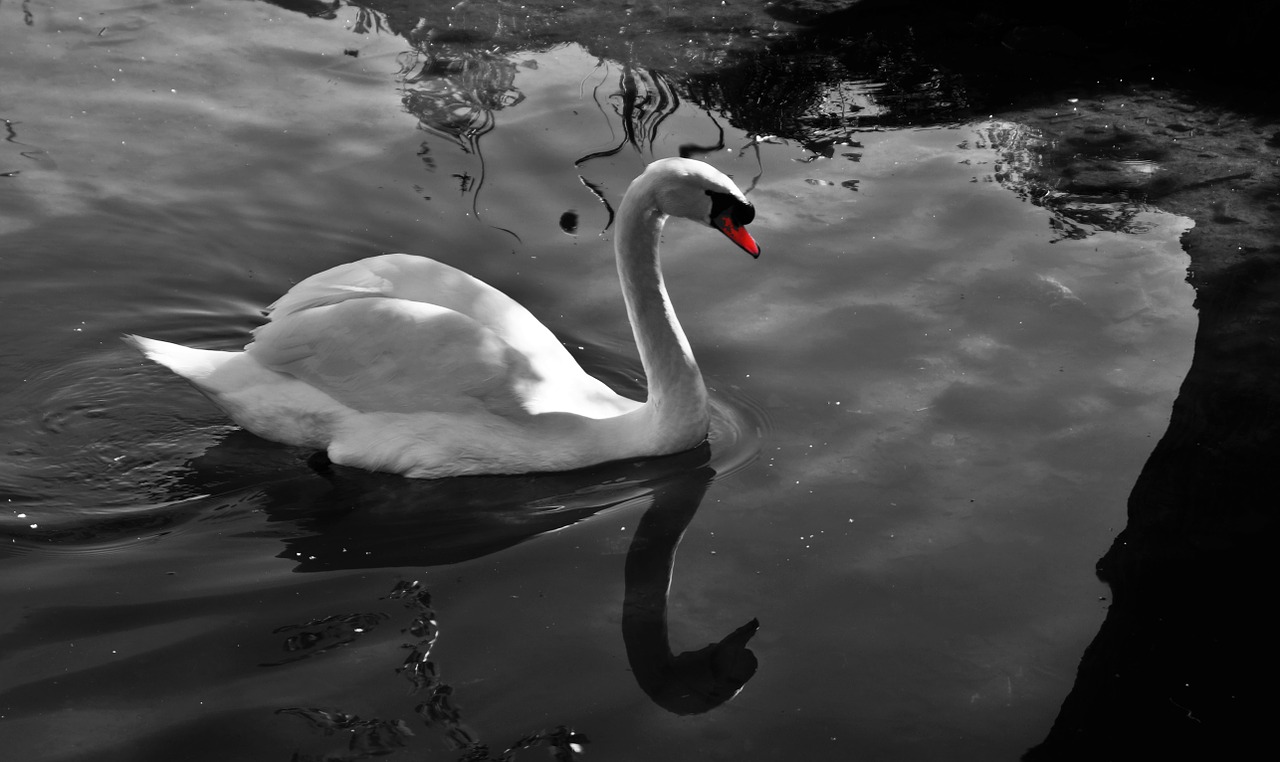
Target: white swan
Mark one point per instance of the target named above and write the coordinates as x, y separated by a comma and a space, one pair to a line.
400, 363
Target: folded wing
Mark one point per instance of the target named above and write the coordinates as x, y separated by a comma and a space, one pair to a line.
400, 333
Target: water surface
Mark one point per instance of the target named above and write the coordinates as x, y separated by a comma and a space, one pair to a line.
930, 406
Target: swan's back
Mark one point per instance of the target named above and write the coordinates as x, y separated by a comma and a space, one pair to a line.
418, 279
402, 333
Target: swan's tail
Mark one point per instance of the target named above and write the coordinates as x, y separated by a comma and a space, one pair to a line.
195, 365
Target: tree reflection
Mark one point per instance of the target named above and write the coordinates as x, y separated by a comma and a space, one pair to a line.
376, 737
642, 102
455, 93
1025, 168
816, 73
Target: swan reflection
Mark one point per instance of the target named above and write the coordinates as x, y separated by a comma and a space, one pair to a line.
344, 518
694, 681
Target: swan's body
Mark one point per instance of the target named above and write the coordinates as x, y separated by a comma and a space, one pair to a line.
403, 364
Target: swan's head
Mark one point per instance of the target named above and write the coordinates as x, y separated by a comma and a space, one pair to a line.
698, 191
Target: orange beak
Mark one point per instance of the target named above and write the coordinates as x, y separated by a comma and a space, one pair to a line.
736, 233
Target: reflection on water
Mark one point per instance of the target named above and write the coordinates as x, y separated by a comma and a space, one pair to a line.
669, 489
933, 394
1111, 194
455, 96
695, 681
370, 738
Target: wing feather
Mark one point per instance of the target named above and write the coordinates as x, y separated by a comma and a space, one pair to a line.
395, 355
398, 332
420, 279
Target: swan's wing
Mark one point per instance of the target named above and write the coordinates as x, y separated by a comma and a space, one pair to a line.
395, 355
536, 374
419, 279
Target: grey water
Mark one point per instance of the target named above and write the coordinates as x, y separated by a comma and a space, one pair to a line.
930, 408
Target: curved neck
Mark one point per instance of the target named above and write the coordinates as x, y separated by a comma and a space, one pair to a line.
677, 405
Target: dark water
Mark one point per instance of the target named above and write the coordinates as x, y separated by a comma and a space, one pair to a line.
932, 399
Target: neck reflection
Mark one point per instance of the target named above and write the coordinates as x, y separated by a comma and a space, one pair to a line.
693, 681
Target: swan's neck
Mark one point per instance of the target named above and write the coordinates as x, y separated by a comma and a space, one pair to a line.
676, 410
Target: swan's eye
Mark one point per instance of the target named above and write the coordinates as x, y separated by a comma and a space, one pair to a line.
723, 203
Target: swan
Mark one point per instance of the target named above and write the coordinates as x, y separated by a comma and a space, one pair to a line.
400, 363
